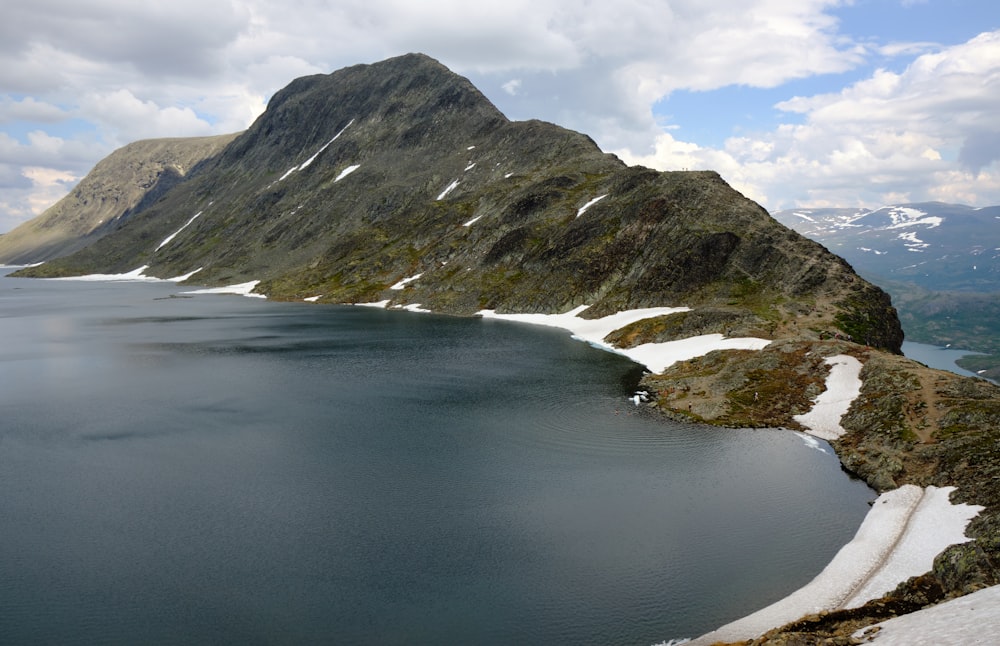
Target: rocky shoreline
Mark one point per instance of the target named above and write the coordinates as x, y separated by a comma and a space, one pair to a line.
910, 424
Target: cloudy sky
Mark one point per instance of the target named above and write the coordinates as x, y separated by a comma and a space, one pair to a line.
794, 102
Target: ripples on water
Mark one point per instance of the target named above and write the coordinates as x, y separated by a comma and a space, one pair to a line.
221, 469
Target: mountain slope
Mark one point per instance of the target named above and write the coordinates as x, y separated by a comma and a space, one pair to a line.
353, 181
122, 183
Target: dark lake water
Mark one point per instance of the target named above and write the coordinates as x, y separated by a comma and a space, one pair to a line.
225, 470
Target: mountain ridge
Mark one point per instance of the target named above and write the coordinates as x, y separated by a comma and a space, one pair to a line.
122, 183
352, 181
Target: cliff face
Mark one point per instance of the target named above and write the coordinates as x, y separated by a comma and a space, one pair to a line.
352, 181
122, 183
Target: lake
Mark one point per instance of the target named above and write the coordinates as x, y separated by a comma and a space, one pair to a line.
221, 469
937, 357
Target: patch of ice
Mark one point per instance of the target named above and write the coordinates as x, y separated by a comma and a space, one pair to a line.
811, 442
406, 281
243, 289
448, 189
347, 171
583, 209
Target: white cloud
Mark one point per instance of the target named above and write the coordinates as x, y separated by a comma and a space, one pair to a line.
126, 118
928, 132
512, 87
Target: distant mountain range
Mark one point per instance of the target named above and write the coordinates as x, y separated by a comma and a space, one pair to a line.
940, 262
941, 247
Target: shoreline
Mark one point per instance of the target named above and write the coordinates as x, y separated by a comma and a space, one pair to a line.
899, 538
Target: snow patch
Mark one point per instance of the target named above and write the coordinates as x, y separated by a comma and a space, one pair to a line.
406, 281
583, 209
379, 304
182, 278
971, 619
134, 275
412, 307
243, 289
657, 357
472, 221
843, 385
312, 299
448, 189
174, 234
912, 242
309, 161
347, 171
931, 222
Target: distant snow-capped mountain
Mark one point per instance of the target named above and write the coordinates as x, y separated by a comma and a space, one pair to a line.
938, 246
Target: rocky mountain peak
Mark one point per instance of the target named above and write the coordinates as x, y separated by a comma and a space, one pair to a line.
355, 180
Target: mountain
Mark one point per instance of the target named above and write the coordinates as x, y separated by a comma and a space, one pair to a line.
940, 262
121, 184
941, 247
353, 181
398, 183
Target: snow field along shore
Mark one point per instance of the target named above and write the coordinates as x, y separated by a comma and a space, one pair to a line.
899, 538
657, 357
136, 275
